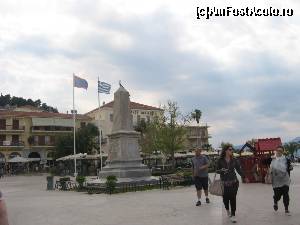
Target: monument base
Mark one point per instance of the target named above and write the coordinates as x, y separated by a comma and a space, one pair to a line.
100, 182
125, 169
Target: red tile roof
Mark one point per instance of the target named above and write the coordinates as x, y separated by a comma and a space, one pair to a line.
41, 114
133, 105
268, 144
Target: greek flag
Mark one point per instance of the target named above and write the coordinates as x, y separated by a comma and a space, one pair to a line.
103, 87
79, 82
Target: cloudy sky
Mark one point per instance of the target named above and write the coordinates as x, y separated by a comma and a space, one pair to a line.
241, 72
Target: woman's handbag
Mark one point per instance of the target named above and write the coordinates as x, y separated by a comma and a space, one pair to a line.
216, 187
268, 177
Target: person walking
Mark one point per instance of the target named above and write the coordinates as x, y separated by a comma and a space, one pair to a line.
280, 174
200, 175
226, 167
3, 211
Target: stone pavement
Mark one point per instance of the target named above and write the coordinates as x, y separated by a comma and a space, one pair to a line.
30, 204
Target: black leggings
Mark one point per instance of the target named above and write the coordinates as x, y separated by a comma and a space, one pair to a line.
282, 191
229, 197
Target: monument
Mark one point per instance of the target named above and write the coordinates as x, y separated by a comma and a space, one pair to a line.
124, 160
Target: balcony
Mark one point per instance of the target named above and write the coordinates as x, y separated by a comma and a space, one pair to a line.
11, 128
51, 129
12, 144
43, 144
199, 136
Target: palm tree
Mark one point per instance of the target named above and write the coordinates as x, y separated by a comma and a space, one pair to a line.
197, 115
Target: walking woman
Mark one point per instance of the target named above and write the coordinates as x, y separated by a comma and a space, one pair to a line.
227, 165
280, 173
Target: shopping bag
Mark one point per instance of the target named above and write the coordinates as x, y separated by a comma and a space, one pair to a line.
216, 187
268, 177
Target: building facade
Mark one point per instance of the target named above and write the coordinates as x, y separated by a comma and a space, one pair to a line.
197, 137
31, 133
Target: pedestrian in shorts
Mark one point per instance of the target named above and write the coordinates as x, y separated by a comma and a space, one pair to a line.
200, 175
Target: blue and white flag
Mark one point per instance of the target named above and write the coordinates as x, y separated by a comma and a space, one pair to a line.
103, 87
79, 82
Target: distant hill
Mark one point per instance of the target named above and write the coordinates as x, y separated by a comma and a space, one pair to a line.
6, 101
297, 139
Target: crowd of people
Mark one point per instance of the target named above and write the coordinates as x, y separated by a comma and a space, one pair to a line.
227, 166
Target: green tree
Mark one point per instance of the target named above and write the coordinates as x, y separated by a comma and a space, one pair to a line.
225, 144
141, 126
196, 115
165, 133
172, 134
150, 141
86, 141
4, 100
63, 146
291, 147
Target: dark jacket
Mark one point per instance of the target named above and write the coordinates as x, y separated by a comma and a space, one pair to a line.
230, 174
289, 166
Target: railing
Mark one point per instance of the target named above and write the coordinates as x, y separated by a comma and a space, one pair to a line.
12, 128
43, 144
51, 130
12, 143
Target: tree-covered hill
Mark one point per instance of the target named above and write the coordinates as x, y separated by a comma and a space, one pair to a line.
7, 100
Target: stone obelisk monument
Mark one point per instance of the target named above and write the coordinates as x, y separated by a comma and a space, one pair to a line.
124, 160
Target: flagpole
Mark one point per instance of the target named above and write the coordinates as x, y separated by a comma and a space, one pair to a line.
74, 128
100, 138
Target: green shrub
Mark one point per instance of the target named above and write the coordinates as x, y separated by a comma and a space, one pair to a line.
111, 183
80, 180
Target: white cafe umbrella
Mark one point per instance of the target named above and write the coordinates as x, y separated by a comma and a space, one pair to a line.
18, 159
72, 157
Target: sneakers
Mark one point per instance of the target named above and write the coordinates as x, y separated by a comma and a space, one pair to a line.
275, 206
233, 219
287, 212
198, 203
207, 200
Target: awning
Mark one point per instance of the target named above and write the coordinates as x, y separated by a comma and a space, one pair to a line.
59, 122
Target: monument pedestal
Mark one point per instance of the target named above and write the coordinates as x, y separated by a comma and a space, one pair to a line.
124, 160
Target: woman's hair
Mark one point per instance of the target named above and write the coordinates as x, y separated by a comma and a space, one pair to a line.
224, 149
280, 146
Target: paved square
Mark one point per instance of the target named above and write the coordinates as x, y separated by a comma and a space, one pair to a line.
29, 203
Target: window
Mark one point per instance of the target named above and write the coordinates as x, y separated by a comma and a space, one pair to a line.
41, 140
2, 138
138, 118
111, 117
15, 125
47, 140
15, 139
2, 124
148, 119
36, 139
52, 140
